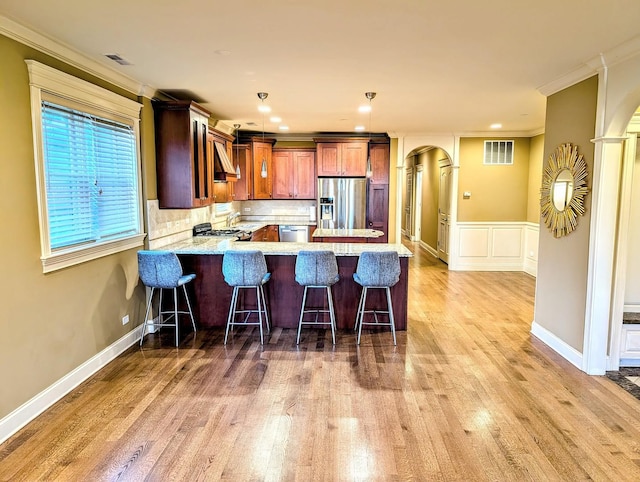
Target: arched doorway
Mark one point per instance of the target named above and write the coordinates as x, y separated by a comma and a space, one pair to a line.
427, 199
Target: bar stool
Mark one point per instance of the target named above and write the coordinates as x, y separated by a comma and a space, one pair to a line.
376, 270
162, 270
246, 269
317, 269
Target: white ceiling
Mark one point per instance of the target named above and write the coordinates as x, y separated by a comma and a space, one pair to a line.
437, 66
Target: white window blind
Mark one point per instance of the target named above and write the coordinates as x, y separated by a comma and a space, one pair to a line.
498, 152
90, 175
87, 164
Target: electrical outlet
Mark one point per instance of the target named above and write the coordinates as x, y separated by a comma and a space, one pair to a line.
125, 319
247, 210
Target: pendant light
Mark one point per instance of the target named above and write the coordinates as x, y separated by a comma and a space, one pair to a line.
263, 169
370, 96
238, 174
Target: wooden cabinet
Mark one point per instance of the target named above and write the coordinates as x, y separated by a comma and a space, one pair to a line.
183, 163
341, 158
222, 192
379, 155
243, 189
378, 210
267, 233
294, 174
261, 154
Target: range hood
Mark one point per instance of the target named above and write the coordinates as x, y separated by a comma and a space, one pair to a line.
223, 168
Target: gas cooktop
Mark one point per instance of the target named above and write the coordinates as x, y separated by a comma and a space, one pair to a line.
205, 229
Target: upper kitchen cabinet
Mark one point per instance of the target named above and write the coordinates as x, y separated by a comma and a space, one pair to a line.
243, 189
294, 174
184, 167
262, 168
341, 157
379, 155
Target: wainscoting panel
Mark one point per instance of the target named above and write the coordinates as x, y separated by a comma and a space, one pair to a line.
506, 242
531, 235
474, 242
498, 247
630, 349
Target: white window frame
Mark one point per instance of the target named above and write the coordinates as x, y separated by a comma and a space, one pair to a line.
46, 80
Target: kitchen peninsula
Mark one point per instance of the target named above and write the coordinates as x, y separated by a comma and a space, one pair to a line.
212, 296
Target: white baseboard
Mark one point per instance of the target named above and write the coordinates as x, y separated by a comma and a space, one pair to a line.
531, 267
429, 249
22, 415
631, 308
572, 355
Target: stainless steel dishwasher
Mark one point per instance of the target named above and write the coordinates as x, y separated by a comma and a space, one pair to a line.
299, 234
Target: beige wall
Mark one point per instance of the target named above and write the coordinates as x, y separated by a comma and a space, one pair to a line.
562, 263
50, 323
430, 162
535, 178
498, 193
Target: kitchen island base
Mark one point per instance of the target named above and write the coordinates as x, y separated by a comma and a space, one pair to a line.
212, 296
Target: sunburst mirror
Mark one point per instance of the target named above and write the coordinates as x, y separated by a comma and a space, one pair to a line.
564, 186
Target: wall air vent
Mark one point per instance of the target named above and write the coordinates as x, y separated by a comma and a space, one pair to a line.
498, 152
118, 59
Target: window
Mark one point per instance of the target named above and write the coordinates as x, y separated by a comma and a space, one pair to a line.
87, 167
498, 152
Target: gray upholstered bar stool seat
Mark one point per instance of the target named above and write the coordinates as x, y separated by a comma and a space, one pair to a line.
162, 270
376, 270
246, 269
317, 269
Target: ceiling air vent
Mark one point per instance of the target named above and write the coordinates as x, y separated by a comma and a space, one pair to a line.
118, 59
498, 152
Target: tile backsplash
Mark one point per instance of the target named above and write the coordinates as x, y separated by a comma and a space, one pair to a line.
165, 226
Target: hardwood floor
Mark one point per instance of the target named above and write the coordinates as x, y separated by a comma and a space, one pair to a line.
467, 394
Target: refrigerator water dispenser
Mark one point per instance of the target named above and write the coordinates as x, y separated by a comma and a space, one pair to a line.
326, 209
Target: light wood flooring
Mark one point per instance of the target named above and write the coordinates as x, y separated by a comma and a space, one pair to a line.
467, 394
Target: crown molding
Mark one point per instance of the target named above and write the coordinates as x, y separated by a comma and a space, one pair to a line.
71, 56
591, 67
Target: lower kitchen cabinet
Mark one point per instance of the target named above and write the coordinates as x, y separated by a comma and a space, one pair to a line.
267, 233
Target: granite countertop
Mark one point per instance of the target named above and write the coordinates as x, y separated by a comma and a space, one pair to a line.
220, 244
347, 233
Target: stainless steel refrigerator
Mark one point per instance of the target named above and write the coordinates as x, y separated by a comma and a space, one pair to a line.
342, 202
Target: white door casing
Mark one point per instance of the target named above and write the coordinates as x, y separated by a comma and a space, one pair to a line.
444, 213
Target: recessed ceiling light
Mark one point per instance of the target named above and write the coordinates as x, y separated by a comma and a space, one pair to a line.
264, 108
359, 128
275, 120
496, 126
364, 109
284, 128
